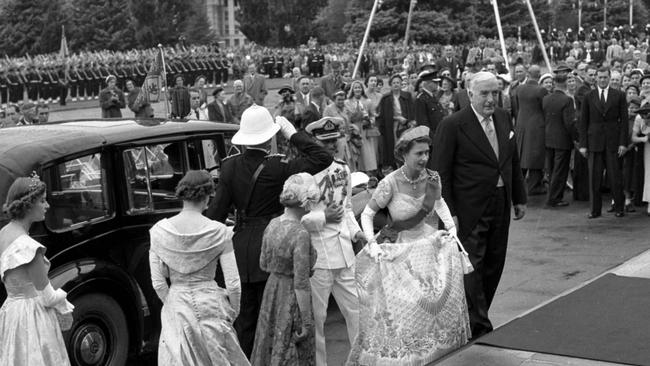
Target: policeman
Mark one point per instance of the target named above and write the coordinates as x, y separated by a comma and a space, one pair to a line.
428, 111
252, 183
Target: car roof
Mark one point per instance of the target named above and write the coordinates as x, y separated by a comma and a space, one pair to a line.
24, 148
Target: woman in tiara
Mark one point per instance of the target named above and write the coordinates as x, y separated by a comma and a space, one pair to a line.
410, 278
34, 313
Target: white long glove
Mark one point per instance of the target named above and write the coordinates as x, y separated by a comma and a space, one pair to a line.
286, 128
441, 208
51, 297
367, 217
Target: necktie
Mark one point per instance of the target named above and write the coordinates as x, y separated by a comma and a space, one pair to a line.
197, 113
491, 135
602, 96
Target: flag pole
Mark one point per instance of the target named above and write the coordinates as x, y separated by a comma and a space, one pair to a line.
164, 76
408, 24
539, 35
501, 39
365, 38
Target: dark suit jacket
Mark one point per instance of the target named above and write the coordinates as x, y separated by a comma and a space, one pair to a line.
111, 107
559, 118
214, 113
386, 124
460, 100
603, 127
469, 169
454, 66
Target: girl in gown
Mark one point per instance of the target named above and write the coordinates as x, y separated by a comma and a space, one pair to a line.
30, 333
285, 327
413, 309
197, 314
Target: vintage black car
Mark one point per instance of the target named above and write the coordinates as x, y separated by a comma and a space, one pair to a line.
108, 182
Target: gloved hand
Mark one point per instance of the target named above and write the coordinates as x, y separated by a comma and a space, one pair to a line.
375, 251
286, 128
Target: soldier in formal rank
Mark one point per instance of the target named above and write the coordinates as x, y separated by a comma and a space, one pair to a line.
251, 182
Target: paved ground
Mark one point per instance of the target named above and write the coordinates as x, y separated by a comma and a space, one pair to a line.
550, 251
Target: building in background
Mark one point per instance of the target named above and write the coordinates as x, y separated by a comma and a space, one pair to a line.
221, 15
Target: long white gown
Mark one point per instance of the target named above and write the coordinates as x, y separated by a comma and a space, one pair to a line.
412, 303
30, 334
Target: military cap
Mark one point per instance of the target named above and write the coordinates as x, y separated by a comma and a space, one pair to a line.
286, 87
326, 128
216, 91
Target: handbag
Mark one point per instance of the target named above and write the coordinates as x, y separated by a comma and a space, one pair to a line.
464, 257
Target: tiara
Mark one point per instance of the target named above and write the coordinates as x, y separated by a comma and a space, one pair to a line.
34, 181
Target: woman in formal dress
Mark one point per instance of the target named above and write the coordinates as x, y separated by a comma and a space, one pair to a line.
446, 95
34, 313
640, 133
413, 309
285, 327
373, 92
395, 114
197, 314
361, 113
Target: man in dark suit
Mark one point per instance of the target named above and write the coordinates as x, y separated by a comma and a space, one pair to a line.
449, 61
333, 82
530, 130
461, 99
218, 111
252, 183
255, 85
559, 118
476, 156
603, 133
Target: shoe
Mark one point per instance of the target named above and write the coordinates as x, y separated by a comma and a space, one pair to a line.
611, 209
560, 204
593, 215
619, 214
629, 208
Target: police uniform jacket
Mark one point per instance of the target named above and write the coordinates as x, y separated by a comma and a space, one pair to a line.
428, 111
234, 184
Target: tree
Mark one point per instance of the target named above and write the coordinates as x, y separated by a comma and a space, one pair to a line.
165, 21
277, 22
330, 21
30, 26
101, 24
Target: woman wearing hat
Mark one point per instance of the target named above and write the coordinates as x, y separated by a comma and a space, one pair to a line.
395, 114
111, 99
446, 94
417, 292
546, 81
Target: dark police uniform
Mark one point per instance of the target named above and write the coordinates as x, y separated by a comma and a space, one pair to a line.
234, 184
428, 112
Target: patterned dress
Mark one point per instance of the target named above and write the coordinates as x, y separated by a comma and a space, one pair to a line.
287, 254
412, 303
30, 334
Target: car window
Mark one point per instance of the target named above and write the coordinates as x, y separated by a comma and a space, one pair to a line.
211, 151
77, 193
152, 173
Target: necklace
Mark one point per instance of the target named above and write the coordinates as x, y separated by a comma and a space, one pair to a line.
414, 182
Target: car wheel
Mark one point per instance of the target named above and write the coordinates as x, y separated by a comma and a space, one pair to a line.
99, 335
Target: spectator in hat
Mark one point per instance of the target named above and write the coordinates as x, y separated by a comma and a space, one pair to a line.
332, 82
546, 81
287, 105
218, 111
251, 183
111, 99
